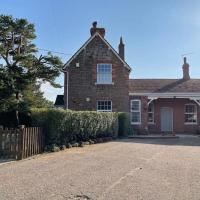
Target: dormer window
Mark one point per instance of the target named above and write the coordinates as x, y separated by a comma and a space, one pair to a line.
104, 73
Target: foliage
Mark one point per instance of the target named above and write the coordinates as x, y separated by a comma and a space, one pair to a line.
21, 66
66, 126
124, 124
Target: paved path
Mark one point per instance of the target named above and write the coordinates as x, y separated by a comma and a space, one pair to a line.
141, 169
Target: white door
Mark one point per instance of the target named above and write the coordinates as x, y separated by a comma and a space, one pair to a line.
166, 119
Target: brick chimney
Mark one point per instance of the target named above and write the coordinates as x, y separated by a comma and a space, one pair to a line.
185, 67
94, 29
121, 49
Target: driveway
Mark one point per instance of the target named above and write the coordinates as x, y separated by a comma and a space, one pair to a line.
142, 169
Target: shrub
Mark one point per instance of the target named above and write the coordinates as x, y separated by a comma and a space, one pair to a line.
63, 127
124, 124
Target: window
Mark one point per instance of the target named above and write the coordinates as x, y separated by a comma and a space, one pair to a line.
135, 111
104, 106
151, 113
190, 114
104, 73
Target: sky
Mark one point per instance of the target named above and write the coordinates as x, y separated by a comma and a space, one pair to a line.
156, 33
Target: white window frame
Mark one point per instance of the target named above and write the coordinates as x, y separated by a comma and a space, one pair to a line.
153, 111
132, 111
104, 110
195, 113
103, 83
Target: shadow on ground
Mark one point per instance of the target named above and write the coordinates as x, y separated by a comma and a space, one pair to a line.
181, 141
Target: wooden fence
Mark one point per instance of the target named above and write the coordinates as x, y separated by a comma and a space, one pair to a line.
21, 143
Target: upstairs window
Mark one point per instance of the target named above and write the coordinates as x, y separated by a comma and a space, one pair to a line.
151, 113
104, 106
104, 73
190, 114
135, 111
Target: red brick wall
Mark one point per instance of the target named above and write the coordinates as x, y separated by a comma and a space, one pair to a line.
178, 115
82, 79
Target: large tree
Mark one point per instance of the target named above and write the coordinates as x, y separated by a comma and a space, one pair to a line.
21, 66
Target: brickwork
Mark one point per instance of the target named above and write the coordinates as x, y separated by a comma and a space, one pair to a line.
177, 106
82, 80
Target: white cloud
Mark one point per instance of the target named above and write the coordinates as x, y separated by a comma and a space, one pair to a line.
50, 92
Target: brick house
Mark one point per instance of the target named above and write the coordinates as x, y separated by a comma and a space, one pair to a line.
97, 78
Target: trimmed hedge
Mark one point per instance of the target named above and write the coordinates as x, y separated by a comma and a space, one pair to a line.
124, 124
64, 126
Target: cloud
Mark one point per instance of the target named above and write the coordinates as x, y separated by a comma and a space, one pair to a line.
50, 92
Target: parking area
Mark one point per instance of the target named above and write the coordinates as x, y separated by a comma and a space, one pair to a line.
135, 169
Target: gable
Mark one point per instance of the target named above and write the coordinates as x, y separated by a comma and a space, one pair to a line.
88, 42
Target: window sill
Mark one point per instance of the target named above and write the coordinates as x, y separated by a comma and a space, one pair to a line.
104, 83
136, 123
151, 123
104, 110
190, 123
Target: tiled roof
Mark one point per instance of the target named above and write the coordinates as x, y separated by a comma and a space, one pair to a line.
59, 100
164, 86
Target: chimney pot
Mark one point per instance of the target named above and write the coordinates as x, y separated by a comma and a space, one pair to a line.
95, 29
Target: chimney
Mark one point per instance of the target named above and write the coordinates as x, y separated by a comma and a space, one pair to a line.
94, 29
121, 49
185, 67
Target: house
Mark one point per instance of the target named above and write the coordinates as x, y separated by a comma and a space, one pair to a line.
97, 78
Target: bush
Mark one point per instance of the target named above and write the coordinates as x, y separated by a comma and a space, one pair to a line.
63, 127
124, 124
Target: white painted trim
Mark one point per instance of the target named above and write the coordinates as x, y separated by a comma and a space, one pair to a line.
87, 42
166, 95
140, 111
196, 100
104, 83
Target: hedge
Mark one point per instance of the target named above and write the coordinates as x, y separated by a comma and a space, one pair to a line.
66, 126
124, 126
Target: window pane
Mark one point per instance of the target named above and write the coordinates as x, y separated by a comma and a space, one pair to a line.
104, 73
190, 114
135, 117
150, 107
192, 118
150, 117
104, 105
190, 108
135, 106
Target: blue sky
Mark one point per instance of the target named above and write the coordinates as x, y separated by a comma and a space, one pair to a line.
156, 33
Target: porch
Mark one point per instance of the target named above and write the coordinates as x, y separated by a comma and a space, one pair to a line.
165, 113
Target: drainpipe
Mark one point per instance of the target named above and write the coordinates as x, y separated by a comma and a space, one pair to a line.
67, 106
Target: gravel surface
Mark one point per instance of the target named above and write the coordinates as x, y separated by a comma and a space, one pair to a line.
134, 169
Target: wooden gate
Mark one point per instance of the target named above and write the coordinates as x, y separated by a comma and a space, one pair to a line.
21, 143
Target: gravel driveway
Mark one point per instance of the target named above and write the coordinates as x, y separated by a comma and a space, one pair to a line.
142, 169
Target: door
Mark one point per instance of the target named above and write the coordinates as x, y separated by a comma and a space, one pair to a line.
166, 119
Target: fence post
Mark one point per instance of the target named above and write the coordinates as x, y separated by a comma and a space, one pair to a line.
1, 132
21, 139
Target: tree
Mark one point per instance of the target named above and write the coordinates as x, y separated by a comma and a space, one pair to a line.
21, 66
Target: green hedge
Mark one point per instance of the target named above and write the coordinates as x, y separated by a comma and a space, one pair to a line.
124, 124
65, 126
